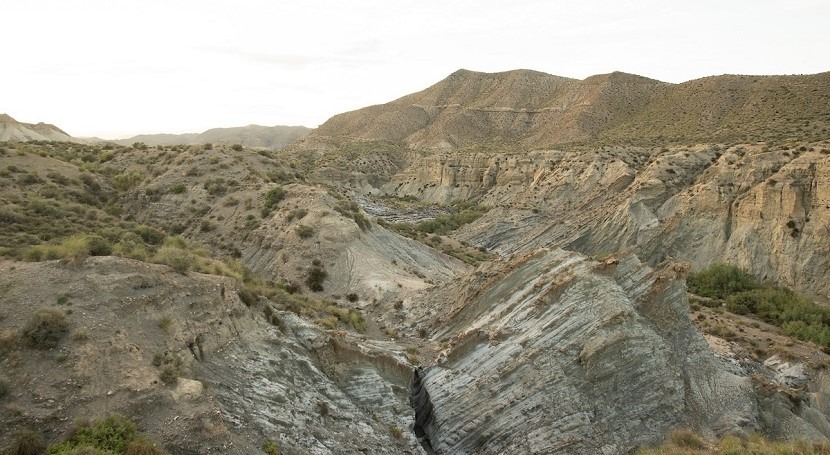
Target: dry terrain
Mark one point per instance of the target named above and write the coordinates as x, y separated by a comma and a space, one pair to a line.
496, 264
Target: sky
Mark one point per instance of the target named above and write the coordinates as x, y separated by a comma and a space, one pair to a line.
113, 68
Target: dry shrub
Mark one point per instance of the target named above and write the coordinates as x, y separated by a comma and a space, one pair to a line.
45, 329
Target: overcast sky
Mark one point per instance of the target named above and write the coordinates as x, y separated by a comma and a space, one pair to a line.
114, 68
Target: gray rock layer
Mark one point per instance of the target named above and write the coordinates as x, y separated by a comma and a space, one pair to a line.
559, 354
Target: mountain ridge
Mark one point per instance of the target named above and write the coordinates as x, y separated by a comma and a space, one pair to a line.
539, 110
270, 137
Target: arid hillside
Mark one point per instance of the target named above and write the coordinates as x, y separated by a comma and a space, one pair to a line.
12, 130
539, 110
501, 263
254, 136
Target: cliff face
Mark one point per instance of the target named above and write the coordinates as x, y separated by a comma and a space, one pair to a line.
554, 353
764, 209
241, 380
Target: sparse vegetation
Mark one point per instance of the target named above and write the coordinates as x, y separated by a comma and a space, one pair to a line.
396, 431
685, 442
112, 435
27, 442
45, 328
315, 278
178, 259
305, 231
272, 197
270, 448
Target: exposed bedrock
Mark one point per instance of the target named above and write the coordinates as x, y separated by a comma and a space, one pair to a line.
555, 353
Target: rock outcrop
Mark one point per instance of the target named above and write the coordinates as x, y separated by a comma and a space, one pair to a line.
199, 370
554, 353
765, 209
14, 131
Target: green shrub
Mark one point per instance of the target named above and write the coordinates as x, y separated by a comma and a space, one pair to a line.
112, 435
461, 213
179, 259
236, 147
126, 180
720, 280
27, 442
75, 248
178, 188
361, 220
98, 246
357, 321
296, 214
272, 197
150, 235
304, 231
270, 448
45, 328
797, 315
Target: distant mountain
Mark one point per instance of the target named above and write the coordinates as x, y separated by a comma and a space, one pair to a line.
539, 109
270, 137
12, 130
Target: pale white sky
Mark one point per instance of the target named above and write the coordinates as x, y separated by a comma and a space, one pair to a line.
114, 68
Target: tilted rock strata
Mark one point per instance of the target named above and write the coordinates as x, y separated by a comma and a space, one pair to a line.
559, 354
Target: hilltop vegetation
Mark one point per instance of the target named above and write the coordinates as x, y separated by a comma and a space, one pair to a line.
539, 110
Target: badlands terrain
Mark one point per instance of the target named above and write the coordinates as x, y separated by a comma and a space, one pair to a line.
503, 263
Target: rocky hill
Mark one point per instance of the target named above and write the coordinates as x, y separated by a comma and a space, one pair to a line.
256, 136
539, 110
433, 276
12, 130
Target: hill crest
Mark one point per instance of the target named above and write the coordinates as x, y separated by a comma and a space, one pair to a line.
537, 109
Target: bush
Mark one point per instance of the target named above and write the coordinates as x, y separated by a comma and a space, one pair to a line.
357, 321
272, 197
686, 439
315, 278
98, 246
169, 373
45, 329
178, 188
4, 388
305, 231
720, 280
798, 316
270, 448
75, 248
150, 235
248, 297
361, 220
236, 147
179, 259
142, 446
27, 442
112, 434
